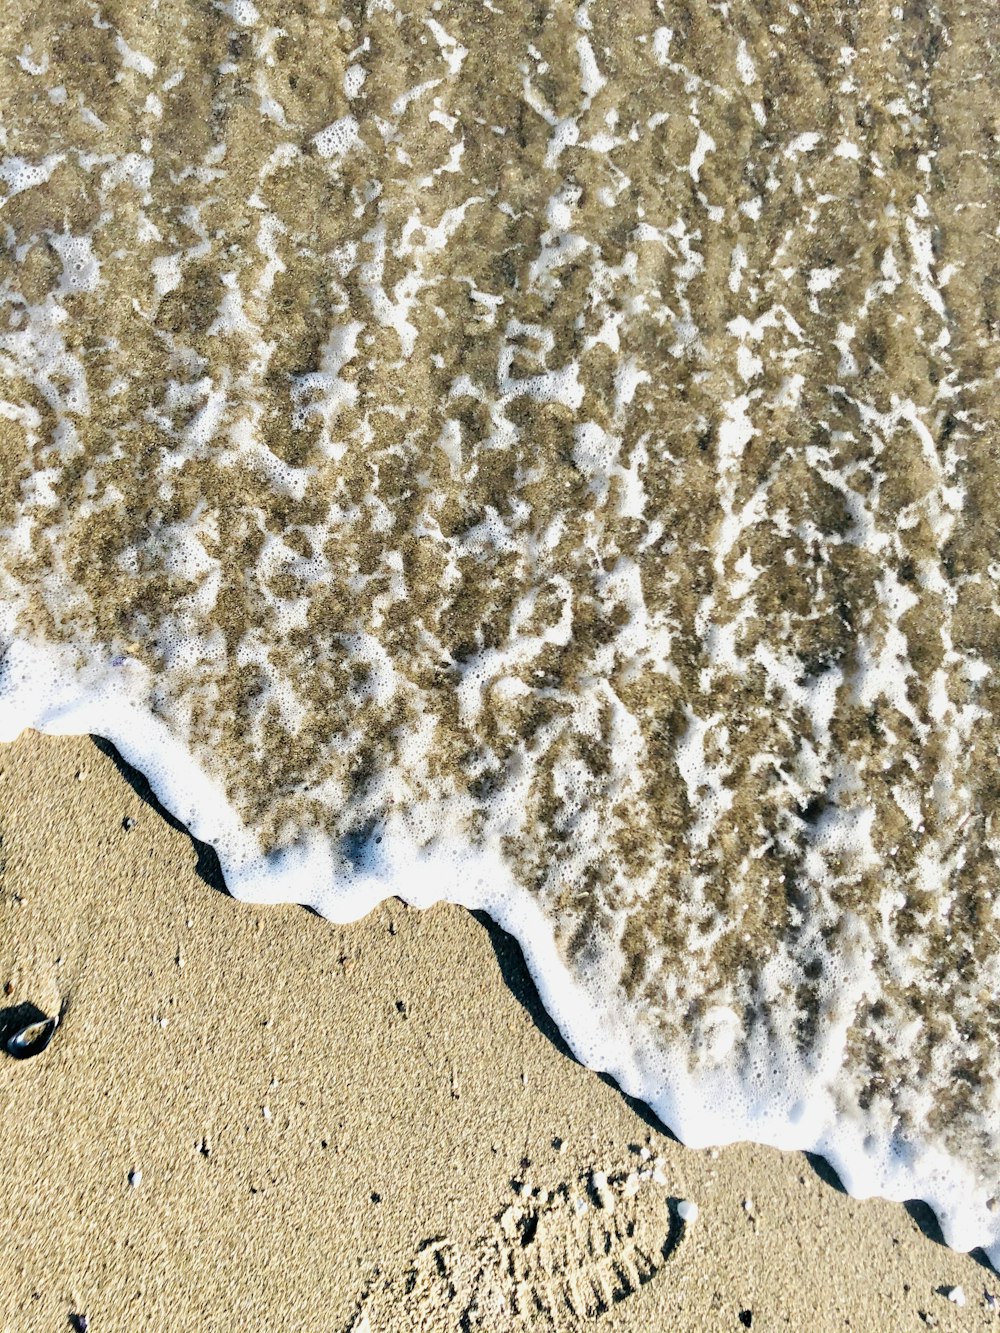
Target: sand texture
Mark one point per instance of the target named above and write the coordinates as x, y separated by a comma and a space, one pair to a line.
409, 1078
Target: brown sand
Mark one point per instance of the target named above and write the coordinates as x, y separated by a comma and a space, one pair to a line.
408, 1079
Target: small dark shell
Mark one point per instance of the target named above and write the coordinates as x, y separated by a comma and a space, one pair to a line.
32, 1038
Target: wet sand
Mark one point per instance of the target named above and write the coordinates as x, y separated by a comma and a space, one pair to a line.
374, 1122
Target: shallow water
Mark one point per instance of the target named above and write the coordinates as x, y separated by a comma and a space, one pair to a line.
546, 458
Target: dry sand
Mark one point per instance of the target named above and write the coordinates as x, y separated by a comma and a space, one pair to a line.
333, 1124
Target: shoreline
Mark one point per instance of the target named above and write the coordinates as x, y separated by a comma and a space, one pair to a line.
324, 1116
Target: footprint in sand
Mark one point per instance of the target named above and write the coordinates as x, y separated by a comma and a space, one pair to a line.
549, 1259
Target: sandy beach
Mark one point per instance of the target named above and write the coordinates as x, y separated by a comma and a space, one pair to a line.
540, 457
251, 1119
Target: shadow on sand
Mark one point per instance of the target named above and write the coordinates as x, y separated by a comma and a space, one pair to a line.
207, 867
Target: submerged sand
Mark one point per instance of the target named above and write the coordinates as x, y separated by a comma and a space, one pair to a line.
340, 1123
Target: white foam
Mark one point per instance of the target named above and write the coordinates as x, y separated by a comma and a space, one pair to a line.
354, 80
744, 64
18, 174
591, 78
243, 12
452, 51
133, 59
31, 66
803, 143
338, 138
81, 267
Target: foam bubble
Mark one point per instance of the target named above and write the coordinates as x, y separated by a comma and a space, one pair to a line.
338, 138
